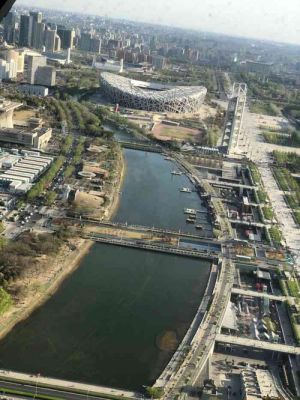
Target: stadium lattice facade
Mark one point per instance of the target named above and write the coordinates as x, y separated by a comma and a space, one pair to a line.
151, 96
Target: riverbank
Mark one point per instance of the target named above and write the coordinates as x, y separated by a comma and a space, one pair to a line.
34, 289
115, 195
48, 273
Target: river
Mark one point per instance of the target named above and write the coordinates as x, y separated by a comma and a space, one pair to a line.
118, 318
151, 195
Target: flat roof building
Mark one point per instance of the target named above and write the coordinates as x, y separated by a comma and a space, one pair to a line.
19, 178
34, 90
258, 384
38, 138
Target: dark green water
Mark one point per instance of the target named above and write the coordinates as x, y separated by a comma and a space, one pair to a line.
103, 324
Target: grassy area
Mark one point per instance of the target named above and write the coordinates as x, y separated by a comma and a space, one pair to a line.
262, 196
292, 139
280, 178
293, 288
297, 216
255, 174
294, 318
291, 161
265, 108
268, 213
270, 324
5, 301
275, 235
163, 131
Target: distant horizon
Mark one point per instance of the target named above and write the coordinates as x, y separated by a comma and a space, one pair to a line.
229, 23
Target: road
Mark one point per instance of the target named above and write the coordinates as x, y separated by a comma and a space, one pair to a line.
31, 390
58, 386
204, 339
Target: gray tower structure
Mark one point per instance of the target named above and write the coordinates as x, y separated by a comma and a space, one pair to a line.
234, 117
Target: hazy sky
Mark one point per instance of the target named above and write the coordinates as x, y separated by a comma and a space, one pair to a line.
269, 19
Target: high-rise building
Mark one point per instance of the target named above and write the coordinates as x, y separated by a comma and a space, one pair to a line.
95, 45
21, 62
158, 62
36, 18
38, 35
8, 70
88, 42
85, 41
10, 25
33, 62
45, 76
67, 37
25, 30
57, 43
50, 39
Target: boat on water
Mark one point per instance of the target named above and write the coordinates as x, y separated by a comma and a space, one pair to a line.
190, 211
168, 158
190, 220
199, 227
185, 190
176, 173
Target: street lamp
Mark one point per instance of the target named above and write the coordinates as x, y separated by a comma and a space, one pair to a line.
36, 385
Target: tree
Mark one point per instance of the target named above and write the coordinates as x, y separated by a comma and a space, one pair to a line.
154, 392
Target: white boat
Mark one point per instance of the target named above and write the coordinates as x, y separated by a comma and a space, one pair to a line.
190, 211
168, 159
176, 173
185, 190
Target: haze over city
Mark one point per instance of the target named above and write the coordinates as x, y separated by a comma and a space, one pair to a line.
150, 200
272, 20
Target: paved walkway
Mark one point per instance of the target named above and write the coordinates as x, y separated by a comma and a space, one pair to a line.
259, 152
258, 294
258, 344
65, 385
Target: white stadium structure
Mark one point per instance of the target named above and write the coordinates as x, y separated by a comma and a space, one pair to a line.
152, 96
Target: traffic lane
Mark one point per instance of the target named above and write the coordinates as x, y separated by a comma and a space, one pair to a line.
60, 394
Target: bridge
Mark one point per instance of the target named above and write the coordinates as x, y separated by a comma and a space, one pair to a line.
141, 228
258, 344
153, 246
230, 185
252, 293
145, 146
246, 223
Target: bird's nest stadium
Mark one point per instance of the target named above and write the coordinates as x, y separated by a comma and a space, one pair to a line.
152, 96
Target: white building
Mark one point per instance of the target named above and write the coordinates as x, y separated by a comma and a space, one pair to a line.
8, 70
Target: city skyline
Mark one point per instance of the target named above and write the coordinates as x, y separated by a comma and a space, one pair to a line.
273, 20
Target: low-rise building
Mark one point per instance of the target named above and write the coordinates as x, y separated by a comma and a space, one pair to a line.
20, 177
36, 138
34, 90
258, 384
